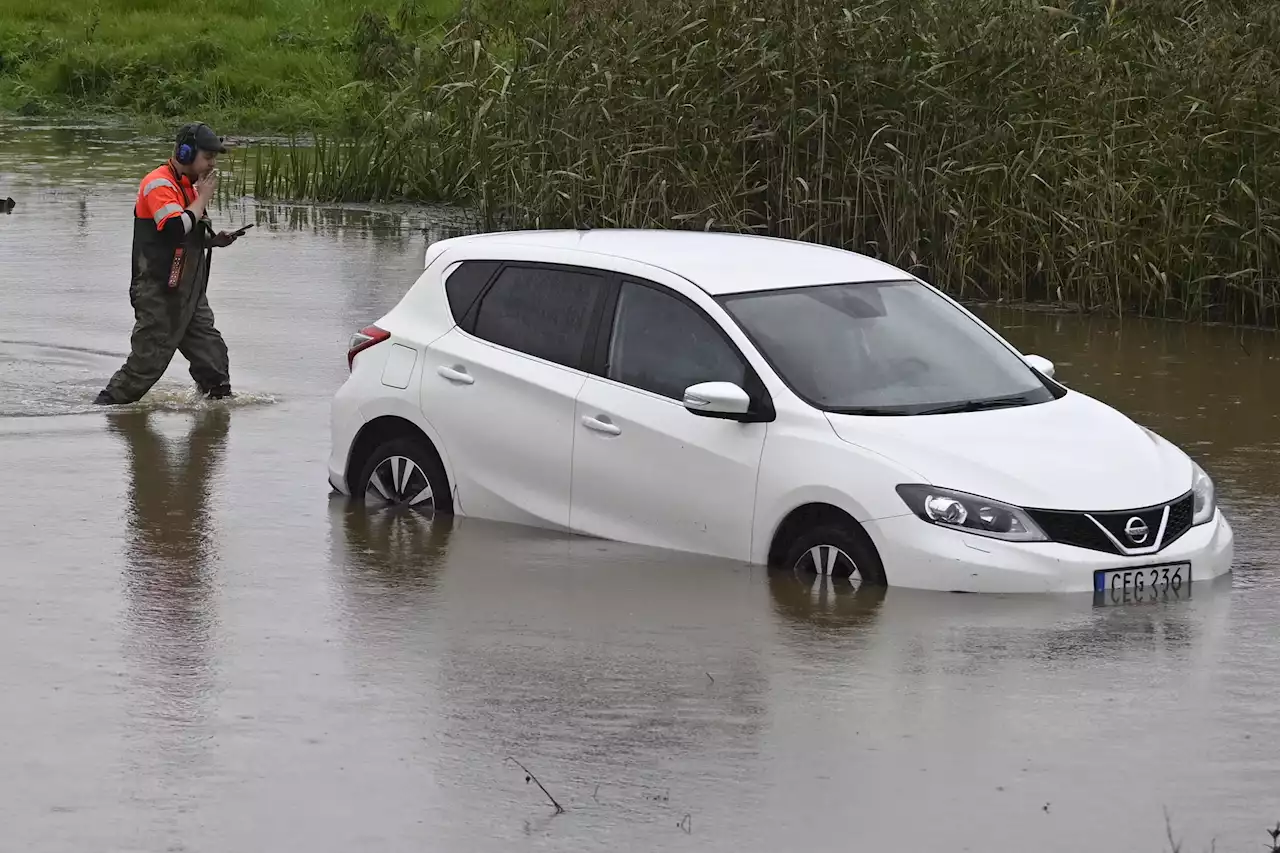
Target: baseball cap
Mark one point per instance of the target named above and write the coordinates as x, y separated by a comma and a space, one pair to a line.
202, 136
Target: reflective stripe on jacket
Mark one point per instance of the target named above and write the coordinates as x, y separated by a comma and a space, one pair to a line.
163, 194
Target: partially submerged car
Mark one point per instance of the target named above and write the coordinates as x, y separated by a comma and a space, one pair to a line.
764, 400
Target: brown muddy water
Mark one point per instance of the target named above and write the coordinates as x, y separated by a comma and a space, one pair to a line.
201, 650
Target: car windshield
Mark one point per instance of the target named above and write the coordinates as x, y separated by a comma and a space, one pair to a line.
883, 348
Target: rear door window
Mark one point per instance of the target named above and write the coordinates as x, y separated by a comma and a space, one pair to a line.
541, 311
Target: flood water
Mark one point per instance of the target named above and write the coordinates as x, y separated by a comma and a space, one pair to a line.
201, 650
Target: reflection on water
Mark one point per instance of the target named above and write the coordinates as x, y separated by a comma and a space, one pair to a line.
398, 546
58, 156
823, 608
1063, 629
172, 537
169, 584
391, 561
389, 230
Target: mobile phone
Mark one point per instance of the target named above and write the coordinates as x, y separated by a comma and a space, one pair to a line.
240, 233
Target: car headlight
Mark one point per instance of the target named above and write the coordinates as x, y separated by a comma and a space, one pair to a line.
971, 513
1206, 496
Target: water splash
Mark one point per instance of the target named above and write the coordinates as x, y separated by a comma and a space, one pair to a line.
78, 399
169, 399
48, 379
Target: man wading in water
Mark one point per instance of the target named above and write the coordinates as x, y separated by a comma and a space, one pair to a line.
173, 246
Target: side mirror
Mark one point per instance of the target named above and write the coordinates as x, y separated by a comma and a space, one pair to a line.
1041, 364
717, 400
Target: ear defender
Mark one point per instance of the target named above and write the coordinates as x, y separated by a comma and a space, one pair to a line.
186, 153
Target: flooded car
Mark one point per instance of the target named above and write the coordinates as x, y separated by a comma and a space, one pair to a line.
770, 401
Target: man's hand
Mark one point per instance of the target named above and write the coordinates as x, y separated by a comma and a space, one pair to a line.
223, 238
206, 185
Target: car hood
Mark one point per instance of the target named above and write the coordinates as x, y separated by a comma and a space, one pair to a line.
1071, 453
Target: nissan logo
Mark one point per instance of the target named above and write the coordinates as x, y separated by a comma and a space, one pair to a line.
1137, 531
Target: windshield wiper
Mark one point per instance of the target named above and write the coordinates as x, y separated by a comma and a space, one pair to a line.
882, 411
977, 405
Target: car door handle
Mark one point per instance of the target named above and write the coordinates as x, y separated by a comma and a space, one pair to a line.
456, 374
601, 424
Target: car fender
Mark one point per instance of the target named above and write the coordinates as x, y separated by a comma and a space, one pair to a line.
405, 406
796, 470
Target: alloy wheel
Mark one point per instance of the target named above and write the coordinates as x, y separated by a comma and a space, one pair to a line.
826, 560
399, 481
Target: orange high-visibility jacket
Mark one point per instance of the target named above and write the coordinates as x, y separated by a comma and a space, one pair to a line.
168, 260
162, 195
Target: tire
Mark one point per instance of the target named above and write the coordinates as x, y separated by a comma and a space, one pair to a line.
838, 550
403, 474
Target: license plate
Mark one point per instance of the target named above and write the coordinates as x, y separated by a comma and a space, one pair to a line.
1145, 583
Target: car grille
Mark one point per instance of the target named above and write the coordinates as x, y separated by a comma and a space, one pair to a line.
1079, 528
1072, 528
1180, 517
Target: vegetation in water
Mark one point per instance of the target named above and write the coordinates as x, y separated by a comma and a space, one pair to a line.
240, 64
1112, 155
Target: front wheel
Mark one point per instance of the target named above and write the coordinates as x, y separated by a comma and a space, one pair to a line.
836, 550
401, 473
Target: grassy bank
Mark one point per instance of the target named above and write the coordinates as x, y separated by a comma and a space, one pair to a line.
1114, 155
244, 65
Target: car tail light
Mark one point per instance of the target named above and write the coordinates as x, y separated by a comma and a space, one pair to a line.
362, 340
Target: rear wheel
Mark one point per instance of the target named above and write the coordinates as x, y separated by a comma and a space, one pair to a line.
836, 550
402, 473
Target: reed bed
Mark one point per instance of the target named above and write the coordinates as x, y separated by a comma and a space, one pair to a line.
1115, 156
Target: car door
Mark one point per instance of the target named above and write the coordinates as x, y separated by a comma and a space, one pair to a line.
500, 387
645, 469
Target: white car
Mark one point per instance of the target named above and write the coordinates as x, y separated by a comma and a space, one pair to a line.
764, 400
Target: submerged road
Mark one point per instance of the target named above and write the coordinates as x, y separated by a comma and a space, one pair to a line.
202, 650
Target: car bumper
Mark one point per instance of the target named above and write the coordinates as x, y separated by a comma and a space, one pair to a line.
920, 555
345, 422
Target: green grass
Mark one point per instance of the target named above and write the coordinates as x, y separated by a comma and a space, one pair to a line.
242, 65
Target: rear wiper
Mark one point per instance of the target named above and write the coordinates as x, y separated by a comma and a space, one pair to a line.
976, 405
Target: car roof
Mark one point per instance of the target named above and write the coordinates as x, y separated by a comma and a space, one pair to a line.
717, 262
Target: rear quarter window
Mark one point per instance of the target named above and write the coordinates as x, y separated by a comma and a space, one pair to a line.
465, 283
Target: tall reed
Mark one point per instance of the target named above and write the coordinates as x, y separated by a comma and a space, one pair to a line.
1116, 155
